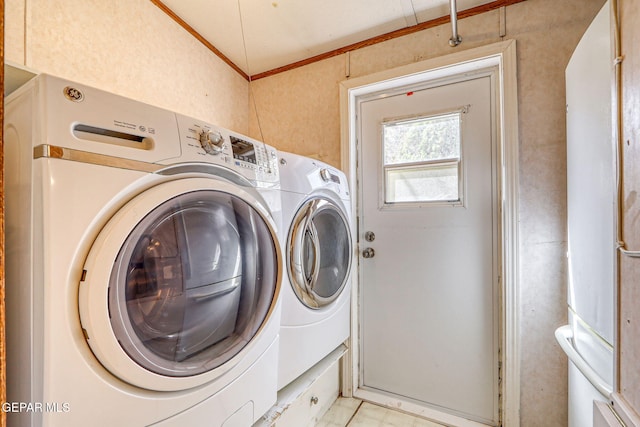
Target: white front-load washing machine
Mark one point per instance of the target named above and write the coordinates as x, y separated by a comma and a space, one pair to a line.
317, 244
143, 266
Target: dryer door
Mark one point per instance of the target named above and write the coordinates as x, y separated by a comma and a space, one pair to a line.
179, 282
319, 252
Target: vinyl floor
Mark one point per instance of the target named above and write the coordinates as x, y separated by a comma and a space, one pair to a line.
349, 412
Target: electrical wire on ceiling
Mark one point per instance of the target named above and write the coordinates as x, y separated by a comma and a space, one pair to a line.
252, 97
454, 41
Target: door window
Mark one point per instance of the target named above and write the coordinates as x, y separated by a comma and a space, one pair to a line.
421, 159
193, 283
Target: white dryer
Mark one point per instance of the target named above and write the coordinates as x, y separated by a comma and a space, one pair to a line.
317, 244
143, 267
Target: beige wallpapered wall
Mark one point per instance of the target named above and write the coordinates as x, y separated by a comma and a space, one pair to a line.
135, 50
129, 47
299, 111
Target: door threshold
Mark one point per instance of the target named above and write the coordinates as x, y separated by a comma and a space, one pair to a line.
411, 407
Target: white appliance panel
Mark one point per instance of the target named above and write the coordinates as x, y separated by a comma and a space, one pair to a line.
590, 178
588, 339
309, 334
582, 393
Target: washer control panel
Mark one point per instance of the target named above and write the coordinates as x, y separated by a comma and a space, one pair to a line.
203, 142
253, 154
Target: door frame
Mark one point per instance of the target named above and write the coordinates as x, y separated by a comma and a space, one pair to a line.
503, 56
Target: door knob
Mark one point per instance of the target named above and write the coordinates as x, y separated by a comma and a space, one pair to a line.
368, 253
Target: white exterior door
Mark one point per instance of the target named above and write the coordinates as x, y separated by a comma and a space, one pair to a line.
429, 248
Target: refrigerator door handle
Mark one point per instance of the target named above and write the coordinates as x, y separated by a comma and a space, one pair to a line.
564, 336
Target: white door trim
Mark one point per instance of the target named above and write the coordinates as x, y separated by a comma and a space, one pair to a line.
502, 55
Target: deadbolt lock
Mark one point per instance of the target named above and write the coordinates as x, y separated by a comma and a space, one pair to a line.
369, 236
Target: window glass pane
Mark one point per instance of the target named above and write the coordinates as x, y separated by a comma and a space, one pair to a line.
422, 139
426, 183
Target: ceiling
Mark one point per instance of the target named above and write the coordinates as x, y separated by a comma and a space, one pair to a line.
262, 35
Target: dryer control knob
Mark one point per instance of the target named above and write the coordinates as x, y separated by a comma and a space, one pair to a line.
212, 141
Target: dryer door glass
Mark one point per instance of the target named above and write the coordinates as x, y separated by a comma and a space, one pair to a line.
320, 252
193, 283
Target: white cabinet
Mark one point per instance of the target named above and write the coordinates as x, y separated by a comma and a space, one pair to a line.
303, 402
311, 405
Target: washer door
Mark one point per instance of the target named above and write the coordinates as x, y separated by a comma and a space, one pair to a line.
319, 252
179, 282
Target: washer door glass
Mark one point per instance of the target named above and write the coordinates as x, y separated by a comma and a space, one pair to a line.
319, 252
192, 283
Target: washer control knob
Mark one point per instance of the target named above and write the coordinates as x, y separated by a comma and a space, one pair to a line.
325, 174
212, 141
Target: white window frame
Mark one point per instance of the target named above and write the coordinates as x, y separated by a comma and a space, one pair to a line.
459, 162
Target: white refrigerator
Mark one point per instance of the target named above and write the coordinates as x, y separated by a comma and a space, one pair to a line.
591, 200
